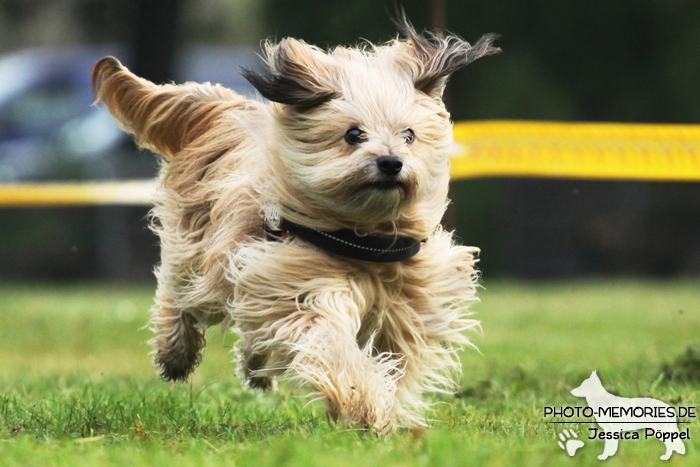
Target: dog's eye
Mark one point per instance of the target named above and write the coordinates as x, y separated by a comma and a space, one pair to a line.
409, 136
354, 136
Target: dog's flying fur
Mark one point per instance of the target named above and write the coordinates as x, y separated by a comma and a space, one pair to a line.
369, 337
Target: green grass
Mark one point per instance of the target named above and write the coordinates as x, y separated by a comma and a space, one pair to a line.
77, 388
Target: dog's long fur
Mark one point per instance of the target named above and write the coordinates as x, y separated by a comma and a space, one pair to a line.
370, 337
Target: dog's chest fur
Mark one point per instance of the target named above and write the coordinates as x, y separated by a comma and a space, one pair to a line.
276, 282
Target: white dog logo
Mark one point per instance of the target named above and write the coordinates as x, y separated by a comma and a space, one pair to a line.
616, 415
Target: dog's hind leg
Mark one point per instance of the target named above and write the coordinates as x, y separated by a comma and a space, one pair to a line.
673, 445
178, 341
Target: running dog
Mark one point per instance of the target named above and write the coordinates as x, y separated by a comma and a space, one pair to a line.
310, 223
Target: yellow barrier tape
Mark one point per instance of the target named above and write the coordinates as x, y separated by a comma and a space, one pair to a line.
132, 193
613, 151
576, 150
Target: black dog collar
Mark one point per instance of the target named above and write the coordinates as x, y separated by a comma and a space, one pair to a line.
346, 242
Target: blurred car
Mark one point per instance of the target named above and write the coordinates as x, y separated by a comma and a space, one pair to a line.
50, 131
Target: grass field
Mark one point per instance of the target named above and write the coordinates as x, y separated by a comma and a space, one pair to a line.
77, 388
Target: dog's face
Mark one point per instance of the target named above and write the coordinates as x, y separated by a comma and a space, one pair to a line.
373, 150
363, 135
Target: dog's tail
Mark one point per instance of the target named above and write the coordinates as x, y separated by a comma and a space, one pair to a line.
163, 118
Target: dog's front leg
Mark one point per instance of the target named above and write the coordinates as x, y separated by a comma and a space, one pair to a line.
298, 312
425, 323
315, 340
358, 388
610, 449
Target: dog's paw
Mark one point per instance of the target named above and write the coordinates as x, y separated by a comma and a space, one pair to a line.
569, 443
261, 383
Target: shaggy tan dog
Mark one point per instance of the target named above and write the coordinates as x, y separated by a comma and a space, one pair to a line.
311, 224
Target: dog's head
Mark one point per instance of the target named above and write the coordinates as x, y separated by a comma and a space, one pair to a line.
363, 137
588, 387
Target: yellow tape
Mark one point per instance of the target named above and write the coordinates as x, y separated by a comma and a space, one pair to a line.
613, 151
576, 150
133, 193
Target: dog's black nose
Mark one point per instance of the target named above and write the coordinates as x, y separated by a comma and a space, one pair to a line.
390, 165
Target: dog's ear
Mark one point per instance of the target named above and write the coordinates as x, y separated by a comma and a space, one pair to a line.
294, 73
432, 57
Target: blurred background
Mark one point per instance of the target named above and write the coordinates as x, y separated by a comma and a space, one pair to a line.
599, 61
